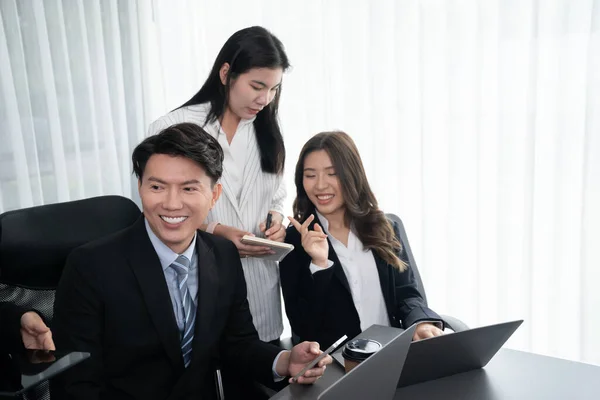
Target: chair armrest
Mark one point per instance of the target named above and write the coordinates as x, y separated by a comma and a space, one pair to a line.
454, 323
219, 385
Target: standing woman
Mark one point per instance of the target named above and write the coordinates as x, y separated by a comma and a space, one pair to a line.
238, 105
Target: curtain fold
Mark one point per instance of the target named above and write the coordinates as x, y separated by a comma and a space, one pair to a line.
67, 127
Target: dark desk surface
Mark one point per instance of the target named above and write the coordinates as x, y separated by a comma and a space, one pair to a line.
515, 374
510, 375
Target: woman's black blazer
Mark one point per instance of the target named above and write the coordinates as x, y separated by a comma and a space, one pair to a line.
320, 307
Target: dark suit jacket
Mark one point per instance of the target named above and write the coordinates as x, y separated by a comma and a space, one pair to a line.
10, 342
113, 302
10, 327
320, 307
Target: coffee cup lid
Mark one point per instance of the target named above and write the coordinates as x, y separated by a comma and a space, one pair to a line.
360, 349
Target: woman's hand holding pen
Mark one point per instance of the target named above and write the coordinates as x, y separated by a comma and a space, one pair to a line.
275, 231
314, 242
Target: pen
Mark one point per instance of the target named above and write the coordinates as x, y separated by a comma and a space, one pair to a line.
268, 224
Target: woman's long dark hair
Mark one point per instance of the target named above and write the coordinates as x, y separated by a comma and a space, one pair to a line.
372, 227
253, 47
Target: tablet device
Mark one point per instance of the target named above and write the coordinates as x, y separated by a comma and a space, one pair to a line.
29, 368
281, 249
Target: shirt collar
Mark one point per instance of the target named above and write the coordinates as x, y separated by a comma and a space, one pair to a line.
324, 222
247, 121
242, 123
325, 225
165, 254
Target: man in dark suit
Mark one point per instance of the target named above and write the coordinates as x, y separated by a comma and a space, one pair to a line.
159, 305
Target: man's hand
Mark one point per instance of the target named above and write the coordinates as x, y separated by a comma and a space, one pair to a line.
236, 235
41, 356
35, 333
426, 330
291, 363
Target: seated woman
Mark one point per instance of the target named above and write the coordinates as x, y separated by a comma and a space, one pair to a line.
348, 269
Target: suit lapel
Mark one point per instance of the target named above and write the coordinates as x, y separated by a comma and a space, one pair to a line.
148, 271
387, 284
252, 169
383, 269
338, 270
208, 284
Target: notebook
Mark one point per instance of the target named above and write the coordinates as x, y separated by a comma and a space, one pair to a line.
281, 249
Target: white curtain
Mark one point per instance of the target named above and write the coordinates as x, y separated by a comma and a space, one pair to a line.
478, 123
71, 99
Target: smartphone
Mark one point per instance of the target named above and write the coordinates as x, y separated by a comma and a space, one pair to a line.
320, 357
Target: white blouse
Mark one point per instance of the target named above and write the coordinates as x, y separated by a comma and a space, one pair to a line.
361, 272
236, 154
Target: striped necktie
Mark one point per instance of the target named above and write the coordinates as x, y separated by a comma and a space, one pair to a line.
182, 267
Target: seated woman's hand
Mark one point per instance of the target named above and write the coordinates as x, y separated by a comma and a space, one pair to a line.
236, 235
314, 242
426, 330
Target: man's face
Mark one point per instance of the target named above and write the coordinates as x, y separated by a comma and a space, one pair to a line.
176, 197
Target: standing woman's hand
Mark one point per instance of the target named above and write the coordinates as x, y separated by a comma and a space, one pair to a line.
314, 242
236, 235
277, 231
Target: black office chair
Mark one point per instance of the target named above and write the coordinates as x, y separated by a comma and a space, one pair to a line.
451, 322
35, 243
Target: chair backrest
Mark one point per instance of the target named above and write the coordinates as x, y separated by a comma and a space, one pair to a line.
409, 254
35, 243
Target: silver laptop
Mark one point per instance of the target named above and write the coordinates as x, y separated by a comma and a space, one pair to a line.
451, 353
377, 376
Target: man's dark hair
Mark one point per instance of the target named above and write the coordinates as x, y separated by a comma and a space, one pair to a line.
184, 140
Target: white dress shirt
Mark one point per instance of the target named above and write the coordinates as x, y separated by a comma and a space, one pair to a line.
167, 257
361, 272
248, 195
